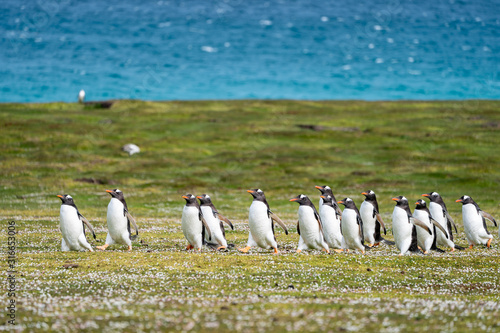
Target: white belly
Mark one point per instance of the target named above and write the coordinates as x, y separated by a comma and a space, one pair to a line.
71, 227
117, 222
260, 224
350, 230
214, 225
369, 221
402, 229
473, 225
437, 214
191, 226
309, 228
331, 226
424, 240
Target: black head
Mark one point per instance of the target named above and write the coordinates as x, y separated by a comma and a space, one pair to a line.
348, 203
325, 190
401, 201
420, 204
433, 196
370, 195
328, 200
67, 200
116, 193
258, 194
465, 199
190, 200
204, 199
302, 200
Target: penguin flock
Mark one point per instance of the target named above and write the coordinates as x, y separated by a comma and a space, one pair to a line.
329, 229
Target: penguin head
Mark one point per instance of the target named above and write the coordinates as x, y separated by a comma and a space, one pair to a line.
465, 199
67, 200
370, 195
116, 193
401, 201
328, 200
348, 203
257, 194
301, 199
420, 204
190, 199
325, 190
433, 196
204, 199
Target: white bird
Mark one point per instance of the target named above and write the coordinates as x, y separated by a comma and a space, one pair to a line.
372, 221
119, 221
475, 223
81, 96
261, 222
328, 211
72, 226
425, 240
192, 223
352, 227
131, 149
214, 219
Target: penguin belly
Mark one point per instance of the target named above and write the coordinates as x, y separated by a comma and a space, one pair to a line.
350, 230
191, 226
261, 230
437, 214
309, 230
424, 240
369, 222
72, 230
402, 229
473, 226
215, 227
331, 226
117, 224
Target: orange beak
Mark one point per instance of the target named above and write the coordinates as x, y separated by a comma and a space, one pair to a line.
340, 202
60, 196
458, 200
318, 187
294, 199
109, 191
416, 203
250, 191
322, 197
185, 197
364, 193
395, 199
199, 197
425, 195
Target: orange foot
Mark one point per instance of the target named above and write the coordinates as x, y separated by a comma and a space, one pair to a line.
327, 251
245, 249
471, 246
276, 251
299, 250
103, 247
129, 248
338, 250
426, 252
489, 243
189, 247
346, 250
376, 244
363, 251
371, 245
221, 248
452, 249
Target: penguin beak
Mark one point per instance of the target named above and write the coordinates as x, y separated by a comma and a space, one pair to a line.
341, 202
185, 197
250, 191
417, 203
395, 199
364, 193
458, 200
322, 197
109, 191
319, 187
425, 195
60, 196
199, 197
294, 199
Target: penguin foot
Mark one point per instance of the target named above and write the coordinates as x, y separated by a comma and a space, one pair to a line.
376, 244
346, 250
90, 250
420, 249
426, 252
489, 243
103, 247
401, 254
338, 250
363, 251
327, 251
245, 249
452, 249
221, 248
276, 251
299, 250
199, 249
129, 248
371, 245
189, 247
471, 246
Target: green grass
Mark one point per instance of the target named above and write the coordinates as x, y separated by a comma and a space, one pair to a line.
224, 148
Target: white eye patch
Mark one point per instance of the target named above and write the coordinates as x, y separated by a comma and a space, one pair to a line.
404, 198
259, 190
118, 191
327, 187
302, 196
466, 197
348, 199
69, 197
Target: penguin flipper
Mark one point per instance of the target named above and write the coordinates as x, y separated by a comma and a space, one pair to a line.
439, 226
451, 220
488, 216
458, 247
132, 220
421, 224
275, 218
338, 212
205, 224
388, 242
222, 229
86, 222
379, 219
225, 219
298, 228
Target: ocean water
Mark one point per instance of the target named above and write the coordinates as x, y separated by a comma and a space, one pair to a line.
235, 49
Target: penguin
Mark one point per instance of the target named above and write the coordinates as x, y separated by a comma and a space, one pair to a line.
261, 222
72, 226
119, 220
326, 190
372, 221
439, 212
404, 226
81, 96
475, 223
214, 219
352, 227
425, 240
193, 223
331, 223
309, 226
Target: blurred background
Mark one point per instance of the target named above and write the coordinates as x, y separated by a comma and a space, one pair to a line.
235, 49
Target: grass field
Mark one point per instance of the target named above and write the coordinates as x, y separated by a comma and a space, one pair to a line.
224, 148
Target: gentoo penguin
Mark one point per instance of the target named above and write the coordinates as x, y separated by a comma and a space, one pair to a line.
214, 219
439, 213
309, 226
372, 221
352, 227
261, 222
326, 190
72, 225
404, 226
331, 222
119, 220
193, 223
475, 223
425, 240
81, 96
